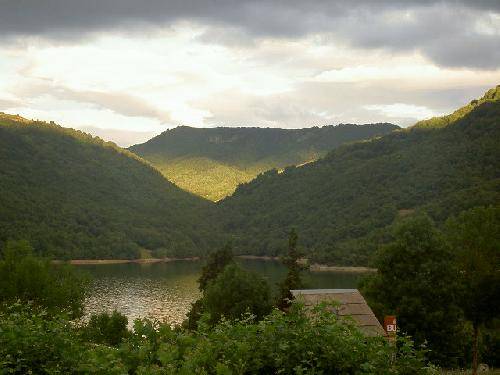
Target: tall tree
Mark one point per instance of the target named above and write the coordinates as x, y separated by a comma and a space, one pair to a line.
293, 279
215, 265
475, 238
416, 281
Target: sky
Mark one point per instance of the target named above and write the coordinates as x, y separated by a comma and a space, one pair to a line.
126, 70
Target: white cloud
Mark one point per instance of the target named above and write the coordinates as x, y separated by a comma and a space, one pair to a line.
401, 110
412, 71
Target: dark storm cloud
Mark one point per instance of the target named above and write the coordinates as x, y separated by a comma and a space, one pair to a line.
444, 31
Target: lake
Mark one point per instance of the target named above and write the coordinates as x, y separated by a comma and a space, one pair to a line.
165, 291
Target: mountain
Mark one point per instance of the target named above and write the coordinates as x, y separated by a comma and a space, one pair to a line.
212, 162
342, 204
76, 196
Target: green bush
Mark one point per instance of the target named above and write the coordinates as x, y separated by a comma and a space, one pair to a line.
35, 342
297, 342
106, 328
30, 278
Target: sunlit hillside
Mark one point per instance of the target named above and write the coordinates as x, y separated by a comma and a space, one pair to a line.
212, 162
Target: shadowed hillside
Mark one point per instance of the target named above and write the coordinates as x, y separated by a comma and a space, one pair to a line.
73, 195
342, 204
212, 162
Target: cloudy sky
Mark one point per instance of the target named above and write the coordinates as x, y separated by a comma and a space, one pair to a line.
126, 69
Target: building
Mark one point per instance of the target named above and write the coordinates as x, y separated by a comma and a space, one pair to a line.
350, 303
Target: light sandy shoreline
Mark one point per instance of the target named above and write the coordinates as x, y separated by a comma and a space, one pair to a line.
324, 268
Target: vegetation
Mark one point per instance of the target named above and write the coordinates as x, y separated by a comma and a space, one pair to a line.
212, 162
75, 196
343, 204
215, 264
475, 237
32, 341
236, 331
416, 281
228, 292
104, 328
443, 286
27, 278
292, 280
236, 292
292, 343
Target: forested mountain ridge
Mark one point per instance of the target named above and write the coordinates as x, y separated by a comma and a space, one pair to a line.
342, 205
75, 196
212, 162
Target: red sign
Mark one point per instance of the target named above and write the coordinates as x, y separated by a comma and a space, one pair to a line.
390, 325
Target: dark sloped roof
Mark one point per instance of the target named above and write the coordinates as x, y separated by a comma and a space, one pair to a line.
351, 303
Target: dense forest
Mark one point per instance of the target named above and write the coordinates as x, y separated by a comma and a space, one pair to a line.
212, 162
76, 196
342, 204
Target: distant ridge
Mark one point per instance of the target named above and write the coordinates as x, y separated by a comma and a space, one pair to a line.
212, 162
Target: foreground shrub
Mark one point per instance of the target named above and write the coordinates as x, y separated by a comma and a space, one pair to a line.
296, 343
34, 342
106, 328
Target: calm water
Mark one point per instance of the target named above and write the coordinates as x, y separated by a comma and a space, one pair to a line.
165, 291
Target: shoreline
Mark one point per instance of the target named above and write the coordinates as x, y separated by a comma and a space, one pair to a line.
80, 262
261, 257
314, 267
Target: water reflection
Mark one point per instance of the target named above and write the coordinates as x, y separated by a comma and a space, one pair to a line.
165, 291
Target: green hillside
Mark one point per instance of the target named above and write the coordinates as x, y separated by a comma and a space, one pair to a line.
342, 203
212, 162
76, 196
